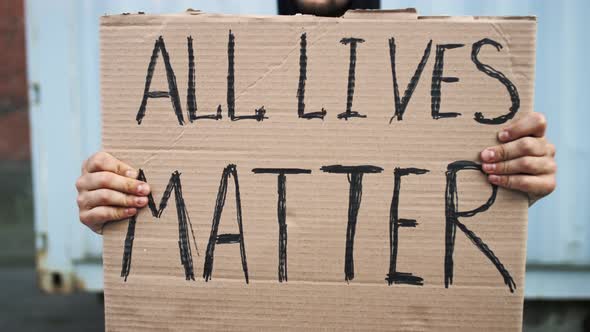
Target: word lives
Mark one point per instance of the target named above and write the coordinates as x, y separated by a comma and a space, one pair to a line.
260, 114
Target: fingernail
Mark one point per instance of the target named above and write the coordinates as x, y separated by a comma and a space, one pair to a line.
489, 167
130, 211
494, 179
131, 174
504, 135
141, 201
488, 155
143, 189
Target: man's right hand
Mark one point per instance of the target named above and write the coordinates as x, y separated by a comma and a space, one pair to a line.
108, 190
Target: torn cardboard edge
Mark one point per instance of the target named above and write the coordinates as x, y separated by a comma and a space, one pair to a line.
388, 14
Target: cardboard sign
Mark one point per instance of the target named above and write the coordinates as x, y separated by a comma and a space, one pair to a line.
315, 173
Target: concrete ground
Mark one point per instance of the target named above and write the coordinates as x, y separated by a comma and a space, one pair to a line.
24, 308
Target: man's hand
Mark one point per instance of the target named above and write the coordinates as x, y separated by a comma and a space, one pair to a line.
525, 159
108, 190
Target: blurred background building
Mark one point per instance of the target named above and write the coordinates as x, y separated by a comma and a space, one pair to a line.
50, 122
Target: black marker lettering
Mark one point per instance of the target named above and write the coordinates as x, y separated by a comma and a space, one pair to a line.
191, 97
184, 222
351, 79
282, 211
488, 70
400, 105
172, 92
214, 238
128, 248
302, 78
231, 99
452, 214
437, 78
394, 224
355, 178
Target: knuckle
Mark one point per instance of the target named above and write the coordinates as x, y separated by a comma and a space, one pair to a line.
79, 184
97, 161
101, 155
119, 169
504, 167
526, 164
507, 181
130, 185
527, 145
502, 152
540, 119
551, 184
552, 166
551, 149
84, 166
80, 201
520, 183
104, 179
129, 200
542, 141
93, 162
85, 218
107, 214
103, 197
116, 214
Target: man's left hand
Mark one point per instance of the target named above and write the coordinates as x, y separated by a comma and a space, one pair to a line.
525, 160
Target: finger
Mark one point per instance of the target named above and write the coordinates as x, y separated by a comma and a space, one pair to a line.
551, 149
103, 161
526, 146
525, 165
531, 184
532, 124
107, 197
95, 218
83, 171
108, 180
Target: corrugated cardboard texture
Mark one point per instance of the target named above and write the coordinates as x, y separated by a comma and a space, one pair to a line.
267, 58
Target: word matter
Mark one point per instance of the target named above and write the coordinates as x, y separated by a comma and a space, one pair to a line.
354, 175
